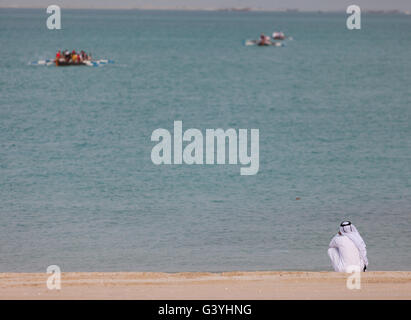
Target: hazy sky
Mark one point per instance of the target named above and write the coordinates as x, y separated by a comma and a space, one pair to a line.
311, 5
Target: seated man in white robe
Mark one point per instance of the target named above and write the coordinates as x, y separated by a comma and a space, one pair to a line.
347, 249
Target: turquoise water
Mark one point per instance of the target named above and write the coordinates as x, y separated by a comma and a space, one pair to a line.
77, 185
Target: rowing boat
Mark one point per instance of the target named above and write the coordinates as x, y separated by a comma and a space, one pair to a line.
63, 63
257, 43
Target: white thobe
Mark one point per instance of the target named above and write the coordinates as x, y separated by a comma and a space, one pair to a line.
344, 254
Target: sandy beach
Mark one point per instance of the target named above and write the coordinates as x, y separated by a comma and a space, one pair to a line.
196, 285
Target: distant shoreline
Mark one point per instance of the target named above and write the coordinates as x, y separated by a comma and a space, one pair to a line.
238, 10
204, 285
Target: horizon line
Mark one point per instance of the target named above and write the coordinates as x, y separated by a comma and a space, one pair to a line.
229, 9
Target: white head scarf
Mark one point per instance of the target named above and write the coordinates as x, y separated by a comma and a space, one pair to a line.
349, 230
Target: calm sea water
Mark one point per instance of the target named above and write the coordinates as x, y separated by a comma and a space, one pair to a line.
77, 185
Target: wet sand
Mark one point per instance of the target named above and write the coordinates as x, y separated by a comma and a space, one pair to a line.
197, 285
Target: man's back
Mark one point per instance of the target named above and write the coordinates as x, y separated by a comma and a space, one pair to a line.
347, 250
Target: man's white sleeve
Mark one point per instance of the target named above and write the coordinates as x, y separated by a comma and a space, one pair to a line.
333, 243
363, 255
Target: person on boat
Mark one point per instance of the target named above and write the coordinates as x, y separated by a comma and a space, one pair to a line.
278, 35
67, 55
72, 55
347, 250
264, 40
58, 55
84, 56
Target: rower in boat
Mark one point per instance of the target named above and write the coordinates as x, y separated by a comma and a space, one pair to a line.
71, 58
278, 35
264, 40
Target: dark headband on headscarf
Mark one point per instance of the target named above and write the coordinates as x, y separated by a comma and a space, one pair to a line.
346, 224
